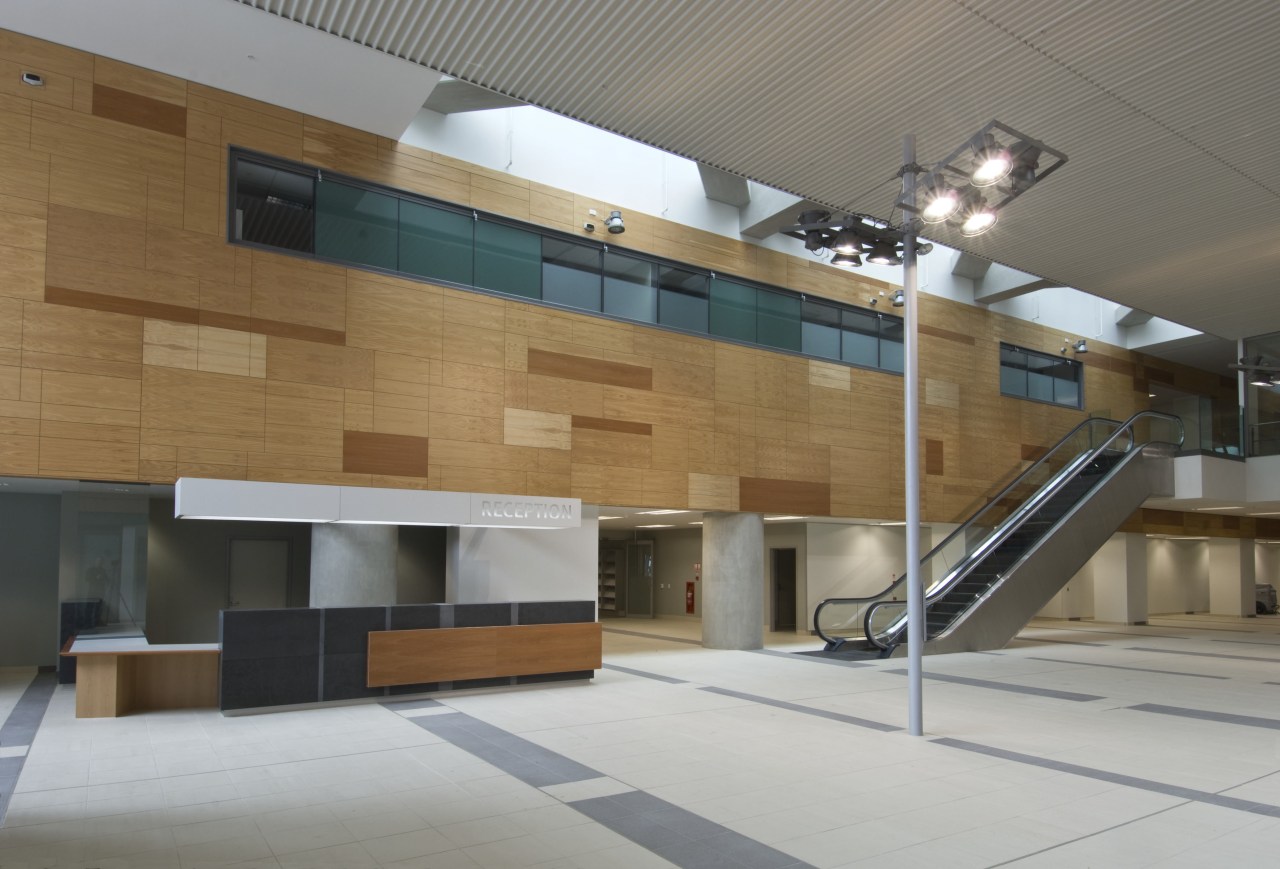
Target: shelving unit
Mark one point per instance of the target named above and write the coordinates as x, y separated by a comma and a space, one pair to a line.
611, 574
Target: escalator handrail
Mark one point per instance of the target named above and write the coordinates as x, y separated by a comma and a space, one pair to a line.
1017, 480
1003, 531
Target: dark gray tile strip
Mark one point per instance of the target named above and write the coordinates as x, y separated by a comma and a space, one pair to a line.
670, 680
1206, 655
1027, 639
1005, 686
681, 837
675, 834
514, 755
1206, 715
818, 658
1248, 642
806, 710
25, 717
1137, 669
401, 705
1156, 787
20, 729
652, 636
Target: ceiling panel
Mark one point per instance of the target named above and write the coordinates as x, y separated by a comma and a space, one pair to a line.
1168, 112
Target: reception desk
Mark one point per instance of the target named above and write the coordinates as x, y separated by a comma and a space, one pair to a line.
119, 675
285, 657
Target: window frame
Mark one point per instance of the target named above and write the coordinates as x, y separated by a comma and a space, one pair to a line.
1053, 361
657, 263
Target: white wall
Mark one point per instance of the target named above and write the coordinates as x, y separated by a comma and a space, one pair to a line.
1075, 600
1177, 576
486, 565
852, 560
1266, 563
675, 553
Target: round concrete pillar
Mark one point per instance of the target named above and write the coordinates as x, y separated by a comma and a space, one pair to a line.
353, 565
733, 581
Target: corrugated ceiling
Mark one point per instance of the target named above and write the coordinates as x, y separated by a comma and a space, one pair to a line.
1168, 112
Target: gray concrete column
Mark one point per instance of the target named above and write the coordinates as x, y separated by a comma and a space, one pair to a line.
733, 580
353, 565
1120, 580
1231, 576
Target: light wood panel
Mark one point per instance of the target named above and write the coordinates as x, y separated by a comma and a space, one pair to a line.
245, 363
112, 685
451, 654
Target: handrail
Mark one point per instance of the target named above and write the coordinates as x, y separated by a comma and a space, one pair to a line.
1005, 529
1118, 429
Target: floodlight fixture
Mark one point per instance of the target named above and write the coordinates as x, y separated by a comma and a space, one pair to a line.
884, 253
992, 163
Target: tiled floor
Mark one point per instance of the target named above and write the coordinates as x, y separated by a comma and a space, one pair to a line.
1079, 745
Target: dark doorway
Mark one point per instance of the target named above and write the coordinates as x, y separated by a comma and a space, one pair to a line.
784, 589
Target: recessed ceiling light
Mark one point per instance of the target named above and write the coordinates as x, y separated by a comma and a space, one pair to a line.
602, 518
893, 523
653, 526
1217, 508
780, 518
660, 512
695, 523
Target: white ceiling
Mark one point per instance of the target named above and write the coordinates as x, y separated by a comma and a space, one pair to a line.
1168, 111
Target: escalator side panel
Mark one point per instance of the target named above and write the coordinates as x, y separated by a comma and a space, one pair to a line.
1058, 556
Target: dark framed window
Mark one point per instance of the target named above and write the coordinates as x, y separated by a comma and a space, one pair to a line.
1041, 377
286, 206
683, 301
273, 206
571, 274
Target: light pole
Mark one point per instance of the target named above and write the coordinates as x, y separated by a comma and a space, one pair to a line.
997, 160
911, 440
967, 189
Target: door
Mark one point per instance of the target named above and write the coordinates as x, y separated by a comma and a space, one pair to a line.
640, 579
257, 573
784, 589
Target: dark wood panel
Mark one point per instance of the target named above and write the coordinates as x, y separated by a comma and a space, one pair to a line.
140, 111
1032, 452
933, 461
120, 305
582, 368
947, 334
598, 424
450, 654
315, 334
393, 455
759, 495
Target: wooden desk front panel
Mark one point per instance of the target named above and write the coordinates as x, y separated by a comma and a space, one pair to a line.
452, 654
111, 685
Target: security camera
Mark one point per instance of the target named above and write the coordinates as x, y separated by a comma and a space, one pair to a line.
874, 301
614, 223
589, 227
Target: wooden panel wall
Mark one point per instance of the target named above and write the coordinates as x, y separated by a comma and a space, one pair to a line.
136, 344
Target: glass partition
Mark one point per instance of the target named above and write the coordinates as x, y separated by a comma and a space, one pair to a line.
287, 206
436, 243
1040, 376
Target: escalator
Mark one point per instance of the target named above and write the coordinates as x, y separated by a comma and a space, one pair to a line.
990, 576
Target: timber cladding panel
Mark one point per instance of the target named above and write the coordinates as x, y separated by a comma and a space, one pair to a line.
137, 344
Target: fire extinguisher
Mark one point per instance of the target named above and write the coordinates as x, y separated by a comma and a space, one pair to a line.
690, 598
